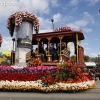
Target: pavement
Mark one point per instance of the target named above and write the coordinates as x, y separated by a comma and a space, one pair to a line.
96, 88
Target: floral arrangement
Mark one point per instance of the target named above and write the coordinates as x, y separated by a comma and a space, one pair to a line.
34, 62
16, 19
45, 78
63, 28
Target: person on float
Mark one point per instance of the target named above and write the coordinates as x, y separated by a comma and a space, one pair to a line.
58, 49
53, 52
42, 52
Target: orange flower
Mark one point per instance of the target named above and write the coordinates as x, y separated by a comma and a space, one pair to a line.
79, 70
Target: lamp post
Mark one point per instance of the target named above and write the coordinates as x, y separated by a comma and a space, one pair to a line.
52, 20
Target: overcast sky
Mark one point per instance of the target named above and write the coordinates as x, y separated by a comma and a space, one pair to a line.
78, 14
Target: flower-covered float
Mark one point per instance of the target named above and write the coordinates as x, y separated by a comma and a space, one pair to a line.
28, 73
64, 77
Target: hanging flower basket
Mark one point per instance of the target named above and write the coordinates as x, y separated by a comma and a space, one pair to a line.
16, 19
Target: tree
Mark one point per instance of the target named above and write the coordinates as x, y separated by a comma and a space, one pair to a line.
86, 58
95, 59
73, 57
5, 59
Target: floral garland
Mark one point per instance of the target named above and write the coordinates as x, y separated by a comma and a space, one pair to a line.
38, 86
63, 28
18, 17
34, 62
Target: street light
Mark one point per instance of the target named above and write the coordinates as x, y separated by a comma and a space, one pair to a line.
52, 20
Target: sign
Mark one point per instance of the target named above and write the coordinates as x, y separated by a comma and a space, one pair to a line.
24, 42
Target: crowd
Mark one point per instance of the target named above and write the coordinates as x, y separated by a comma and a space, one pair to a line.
94, 72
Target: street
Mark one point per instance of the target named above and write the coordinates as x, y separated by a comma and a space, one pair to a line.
91, 94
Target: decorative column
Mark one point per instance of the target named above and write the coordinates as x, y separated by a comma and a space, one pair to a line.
22, 22
23, 42
49, 57
13, 53
60, 55
77, 48
38, 55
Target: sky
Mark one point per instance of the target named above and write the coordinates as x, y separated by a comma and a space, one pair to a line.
78, 14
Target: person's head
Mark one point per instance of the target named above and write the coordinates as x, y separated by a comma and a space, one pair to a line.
42, 43
63, 45
36, 48
52, 45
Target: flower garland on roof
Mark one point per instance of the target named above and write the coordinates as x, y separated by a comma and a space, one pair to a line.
19, 16
63, 28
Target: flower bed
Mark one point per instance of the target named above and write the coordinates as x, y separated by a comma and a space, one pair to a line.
64, 77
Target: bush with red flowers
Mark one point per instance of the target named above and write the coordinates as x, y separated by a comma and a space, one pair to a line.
34, 62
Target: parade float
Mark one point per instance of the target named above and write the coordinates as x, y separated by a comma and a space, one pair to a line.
29, 73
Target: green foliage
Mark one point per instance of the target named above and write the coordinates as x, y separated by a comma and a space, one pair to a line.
62, 65
73, 57
4, 63
96, 60
86, 58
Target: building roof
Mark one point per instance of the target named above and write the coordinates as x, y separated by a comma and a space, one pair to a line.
68, 36
90, 63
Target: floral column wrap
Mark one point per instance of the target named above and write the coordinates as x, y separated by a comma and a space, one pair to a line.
22, 22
